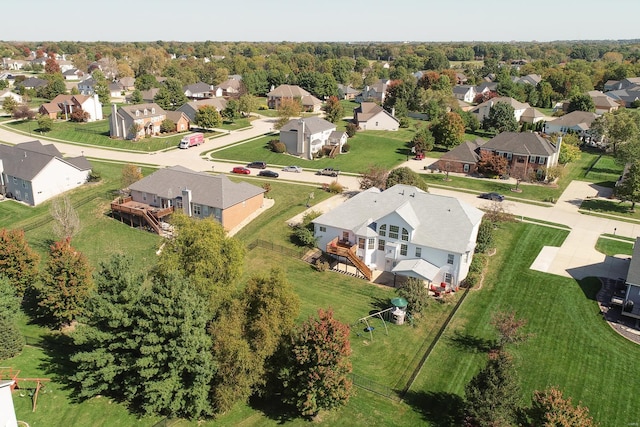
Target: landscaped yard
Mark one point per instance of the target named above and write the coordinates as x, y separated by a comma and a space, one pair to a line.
613, 247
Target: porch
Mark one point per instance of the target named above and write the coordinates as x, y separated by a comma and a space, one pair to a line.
140, 214
344, 248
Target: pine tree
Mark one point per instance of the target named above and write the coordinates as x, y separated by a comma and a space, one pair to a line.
317, 376
11, 340
18, 262
66, 284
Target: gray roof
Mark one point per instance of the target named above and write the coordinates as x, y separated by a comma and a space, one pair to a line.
311, 125
367, 110
467, 152
130, 110
462, 89
528, 143
191, 107
441, 222
215, 191
33, 82
575, 118
26, 160
198, 87
633, 275
288, 91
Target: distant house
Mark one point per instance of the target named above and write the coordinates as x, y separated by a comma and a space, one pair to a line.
374, 93
305, 137
603, 102
127, 83
625, 97
73, 74
402, 230
309, 102
64, 105
347, 92
180, 119
530, 79
525, 152
136, 121
628, 83
191, 107
33, 173
371, 116
197, 194
578, 122
87, 86
461, 79
148, 96
32, 83
487, 86
481, 111
115, 90
461, 159
7, 93
228, 88
465, 93
198, 90
13, 64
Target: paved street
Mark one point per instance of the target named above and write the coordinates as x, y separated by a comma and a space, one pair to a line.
576, 257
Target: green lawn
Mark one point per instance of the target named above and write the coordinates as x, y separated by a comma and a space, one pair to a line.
612, 247
605, 171
240, 123
571, 347
612, 207
97, 134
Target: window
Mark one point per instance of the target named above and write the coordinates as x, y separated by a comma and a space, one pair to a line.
137, 113
541, 160
382, 231
403, 250
466, 167
24, 184
450, 259
361, 242
447, 277
197, 209
376, 124
532, 159
371, 244
323, 228
381, 245
509, 156
405, 235
393, 231
418, 252
153, 111
144, 196
15, 180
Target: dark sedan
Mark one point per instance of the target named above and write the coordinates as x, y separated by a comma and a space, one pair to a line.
268, 173
496, 197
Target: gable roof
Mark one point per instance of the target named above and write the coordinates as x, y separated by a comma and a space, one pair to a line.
198, 87
517, 105
33, 82
312, 125
209, 190
288, 91
467, 152
528, 143
26, 160
230, 84
152, 108
176, 116
575, 118
441, 222
367, 110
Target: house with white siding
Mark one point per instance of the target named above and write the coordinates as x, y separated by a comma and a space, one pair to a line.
305, 137
402, 230
33, 173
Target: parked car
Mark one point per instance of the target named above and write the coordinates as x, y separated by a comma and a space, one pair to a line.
328, 172
497, 197
257, 165
241, 170
296, 169
268, 173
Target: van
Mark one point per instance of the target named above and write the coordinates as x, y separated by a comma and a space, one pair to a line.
257, 165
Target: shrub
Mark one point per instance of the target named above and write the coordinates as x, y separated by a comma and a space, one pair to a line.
94, 176
346, 147
335, 187
351, 129
277, 147
404, 122
322, 265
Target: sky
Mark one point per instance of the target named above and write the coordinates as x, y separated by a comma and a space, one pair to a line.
323, 20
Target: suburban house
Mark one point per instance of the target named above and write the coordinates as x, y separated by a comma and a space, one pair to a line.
603, 102
135, 121
529, 79
149, 96
628, 83
402, 230
631, 303
347, 92
13, 64
116, 90
305, 137
32, 83
127, 83
73, 74
465, 93
578, 122
371, 116
32, 172
87, 86
228, 88
461, 159
197, 194
525, 152
489, 86
7, 93
375, 93
481, 111
191, 107
309, 102
63, 105
7, 410
625, 97
180, 119
461, 79
198, 90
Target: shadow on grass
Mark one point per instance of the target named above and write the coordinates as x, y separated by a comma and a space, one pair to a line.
607, 206
590, 287
470, 343
274, 409
58, 365
440, 409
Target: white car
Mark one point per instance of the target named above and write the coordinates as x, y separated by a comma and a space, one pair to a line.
296, 169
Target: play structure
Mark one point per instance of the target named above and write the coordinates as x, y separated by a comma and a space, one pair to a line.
21, 383
395, 314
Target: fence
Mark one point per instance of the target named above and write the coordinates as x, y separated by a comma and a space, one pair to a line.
44, 221
374, 387
263, 244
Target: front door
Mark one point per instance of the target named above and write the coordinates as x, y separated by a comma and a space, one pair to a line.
345, 236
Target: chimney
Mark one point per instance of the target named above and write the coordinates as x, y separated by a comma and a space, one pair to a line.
114, 121
558, 142
393, 111
186, 201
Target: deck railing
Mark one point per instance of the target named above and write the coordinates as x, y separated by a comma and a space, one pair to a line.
348, 251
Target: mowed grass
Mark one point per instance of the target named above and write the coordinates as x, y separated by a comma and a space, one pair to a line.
571, 346
613, 247
97, 134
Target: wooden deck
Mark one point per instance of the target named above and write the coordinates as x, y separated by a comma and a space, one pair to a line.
345, 249
140, 214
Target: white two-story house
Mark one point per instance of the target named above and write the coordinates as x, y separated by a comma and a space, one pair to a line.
305, 137
403, 230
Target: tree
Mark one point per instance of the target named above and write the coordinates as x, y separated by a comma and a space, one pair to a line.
375, 176
449, 130
79, 116
45, 123
130, 174
66, 284
11, 339
617, 128
333, 109
492, 164
136, 97
549, 408
581, 102
508, 328
492, 395
317, 373
9, 105
231, 110
51, 66
629, 189
167, 126
205, 255
423, 140
416, 294
501, 118
171, 95
145, 82
405, 175
18, 262
247, 103
351, 129
304, 231
101, 87
568, 153
23, 112
54, 87
208, 117
66, 222
485, 236
288, 109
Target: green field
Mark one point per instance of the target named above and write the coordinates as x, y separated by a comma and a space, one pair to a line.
613, 247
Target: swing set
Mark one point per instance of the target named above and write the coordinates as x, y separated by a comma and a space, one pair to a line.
370, 328
19, 383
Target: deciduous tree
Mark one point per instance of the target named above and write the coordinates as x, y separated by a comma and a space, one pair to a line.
492, 164
247, 103
11, 340
130, 174
23, 112
317, 375
333, 109
9, 105
288, 109
551, 409
171, 95
629, 189
407, 176
416, 294
508, 328
45, 123
501, 118
66, 222
449, 130
581, 102
208, 117
18, 262
375, 176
